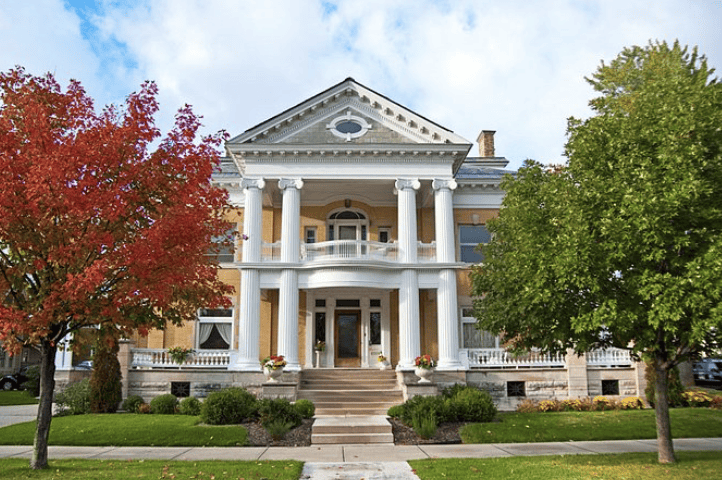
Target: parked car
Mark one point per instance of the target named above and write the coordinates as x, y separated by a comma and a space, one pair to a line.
15, 380
708, 369
84, 365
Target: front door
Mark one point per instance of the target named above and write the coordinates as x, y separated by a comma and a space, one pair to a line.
348, 338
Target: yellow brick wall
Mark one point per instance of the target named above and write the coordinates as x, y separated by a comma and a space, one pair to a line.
427, 323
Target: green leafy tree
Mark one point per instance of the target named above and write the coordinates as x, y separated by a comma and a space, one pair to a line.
623, 246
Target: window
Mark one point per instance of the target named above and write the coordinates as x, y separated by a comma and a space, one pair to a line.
320, 320
348, 303
472, 337
310, 235
215, 328
470, 236
610, 387
515, 389
384, 234
180, 389
223, 250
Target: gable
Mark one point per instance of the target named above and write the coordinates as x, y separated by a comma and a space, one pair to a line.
383, 121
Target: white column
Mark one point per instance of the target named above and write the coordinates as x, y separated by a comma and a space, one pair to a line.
64, 354
249, 321
290, 249
448, 311
409, 330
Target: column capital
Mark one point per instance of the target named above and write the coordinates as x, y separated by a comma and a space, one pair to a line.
285, 183
405, 183
444, 183
258, 183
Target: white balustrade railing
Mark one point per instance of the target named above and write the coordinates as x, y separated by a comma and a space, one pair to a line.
349, 249
160, 358
500, 358
610, 357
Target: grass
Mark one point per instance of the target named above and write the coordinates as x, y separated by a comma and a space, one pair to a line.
128, 429
585, 426
638, 466
16, 397
152, 469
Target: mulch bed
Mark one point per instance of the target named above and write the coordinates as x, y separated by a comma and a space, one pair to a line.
298, 437
447, 433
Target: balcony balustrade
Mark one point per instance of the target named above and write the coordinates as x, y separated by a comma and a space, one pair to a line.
160, 358
361, 250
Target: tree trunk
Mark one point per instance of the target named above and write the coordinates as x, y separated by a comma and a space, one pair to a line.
45, 408
665, 448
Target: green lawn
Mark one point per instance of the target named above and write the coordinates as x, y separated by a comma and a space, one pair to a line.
127, 429
16, 397
12, 469
637, 466
583, 426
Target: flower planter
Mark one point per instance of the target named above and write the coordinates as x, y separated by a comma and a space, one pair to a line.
424, 374
273, 374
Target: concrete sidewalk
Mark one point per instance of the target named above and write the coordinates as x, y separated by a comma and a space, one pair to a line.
340, 454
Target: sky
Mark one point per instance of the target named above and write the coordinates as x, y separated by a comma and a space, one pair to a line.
516, 67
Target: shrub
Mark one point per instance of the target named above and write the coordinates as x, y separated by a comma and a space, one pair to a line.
674, 386
601, 403
527, 406
230, 406
451, 391
32, 384
75, 399
395, 411
472, 405
143, 408
132, 403
305, 408
278, 410
550, 406
190, 406
105, 382
164, 404
424, 424
697, 398
716, 402
434, 404
631, 403
278, 428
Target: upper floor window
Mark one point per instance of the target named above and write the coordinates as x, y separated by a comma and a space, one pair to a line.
384, 234
470, 236
309, 234
223, 249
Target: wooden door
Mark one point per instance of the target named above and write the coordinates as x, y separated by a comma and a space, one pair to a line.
348, 338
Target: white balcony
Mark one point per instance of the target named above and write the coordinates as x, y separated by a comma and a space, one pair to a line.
360, 250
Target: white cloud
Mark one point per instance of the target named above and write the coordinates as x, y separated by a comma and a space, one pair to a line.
516, 67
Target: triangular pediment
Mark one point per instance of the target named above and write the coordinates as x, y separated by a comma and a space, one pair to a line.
347, 114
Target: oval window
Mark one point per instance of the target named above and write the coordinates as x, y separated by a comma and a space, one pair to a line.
348, 127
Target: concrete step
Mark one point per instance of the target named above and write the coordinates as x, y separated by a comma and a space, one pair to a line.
351, 430
346, 412
352, 438
351, 395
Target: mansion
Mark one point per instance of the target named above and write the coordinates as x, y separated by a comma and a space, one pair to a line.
357, 223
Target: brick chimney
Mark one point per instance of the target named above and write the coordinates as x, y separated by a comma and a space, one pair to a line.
486, 143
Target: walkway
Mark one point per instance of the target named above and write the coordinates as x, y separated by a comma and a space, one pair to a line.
339, 454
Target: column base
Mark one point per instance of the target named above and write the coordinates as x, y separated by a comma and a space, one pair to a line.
245, 366
292, 367
450, 365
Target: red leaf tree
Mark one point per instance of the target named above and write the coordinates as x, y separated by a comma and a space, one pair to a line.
101, 222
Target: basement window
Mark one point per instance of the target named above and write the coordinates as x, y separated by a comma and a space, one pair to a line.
515, 389
180, 389
610, 387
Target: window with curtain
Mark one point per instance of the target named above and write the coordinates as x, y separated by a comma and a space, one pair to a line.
215, 329
224, 247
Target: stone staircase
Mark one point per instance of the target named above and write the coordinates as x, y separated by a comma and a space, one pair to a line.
350, 404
